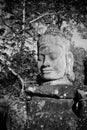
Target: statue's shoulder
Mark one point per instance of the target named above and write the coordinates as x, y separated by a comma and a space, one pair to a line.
49, 106
62, 91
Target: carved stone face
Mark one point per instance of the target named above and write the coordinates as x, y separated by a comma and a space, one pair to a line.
52, 58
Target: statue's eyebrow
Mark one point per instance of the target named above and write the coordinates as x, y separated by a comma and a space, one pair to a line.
42, 46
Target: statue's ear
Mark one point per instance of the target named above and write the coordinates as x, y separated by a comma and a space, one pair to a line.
70, 63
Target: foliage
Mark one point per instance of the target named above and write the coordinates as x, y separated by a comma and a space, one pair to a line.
21, 23
79, 58
25, 65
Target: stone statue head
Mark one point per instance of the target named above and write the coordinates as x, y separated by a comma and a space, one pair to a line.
55, 59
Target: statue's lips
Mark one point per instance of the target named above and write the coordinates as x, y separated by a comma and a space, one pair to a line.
47, 71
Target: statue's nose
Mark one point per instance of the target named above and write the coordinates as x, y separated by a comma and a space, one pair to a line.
46, 62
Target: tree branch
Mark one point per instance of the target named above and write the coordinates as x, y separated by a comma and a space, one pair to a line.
19, 77
5, 23
41, 16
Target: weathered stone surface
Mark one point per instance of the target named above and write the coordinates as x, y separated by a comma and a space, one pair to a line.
51, 114
56, 91
55, 59
48, 113
50, 108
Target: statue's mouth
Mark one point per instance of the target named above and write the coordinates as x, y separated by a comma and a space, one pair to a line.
46, 71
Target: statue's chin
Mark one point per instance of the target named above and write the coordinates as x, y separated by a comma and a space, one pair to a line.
52, 76
54, 79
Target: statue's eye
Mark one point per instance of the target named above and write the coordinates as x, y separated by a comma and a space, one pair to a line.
53, 56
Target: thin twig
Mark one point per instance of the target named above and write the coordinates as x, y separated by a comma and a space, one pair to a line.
7, 25
34, 20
